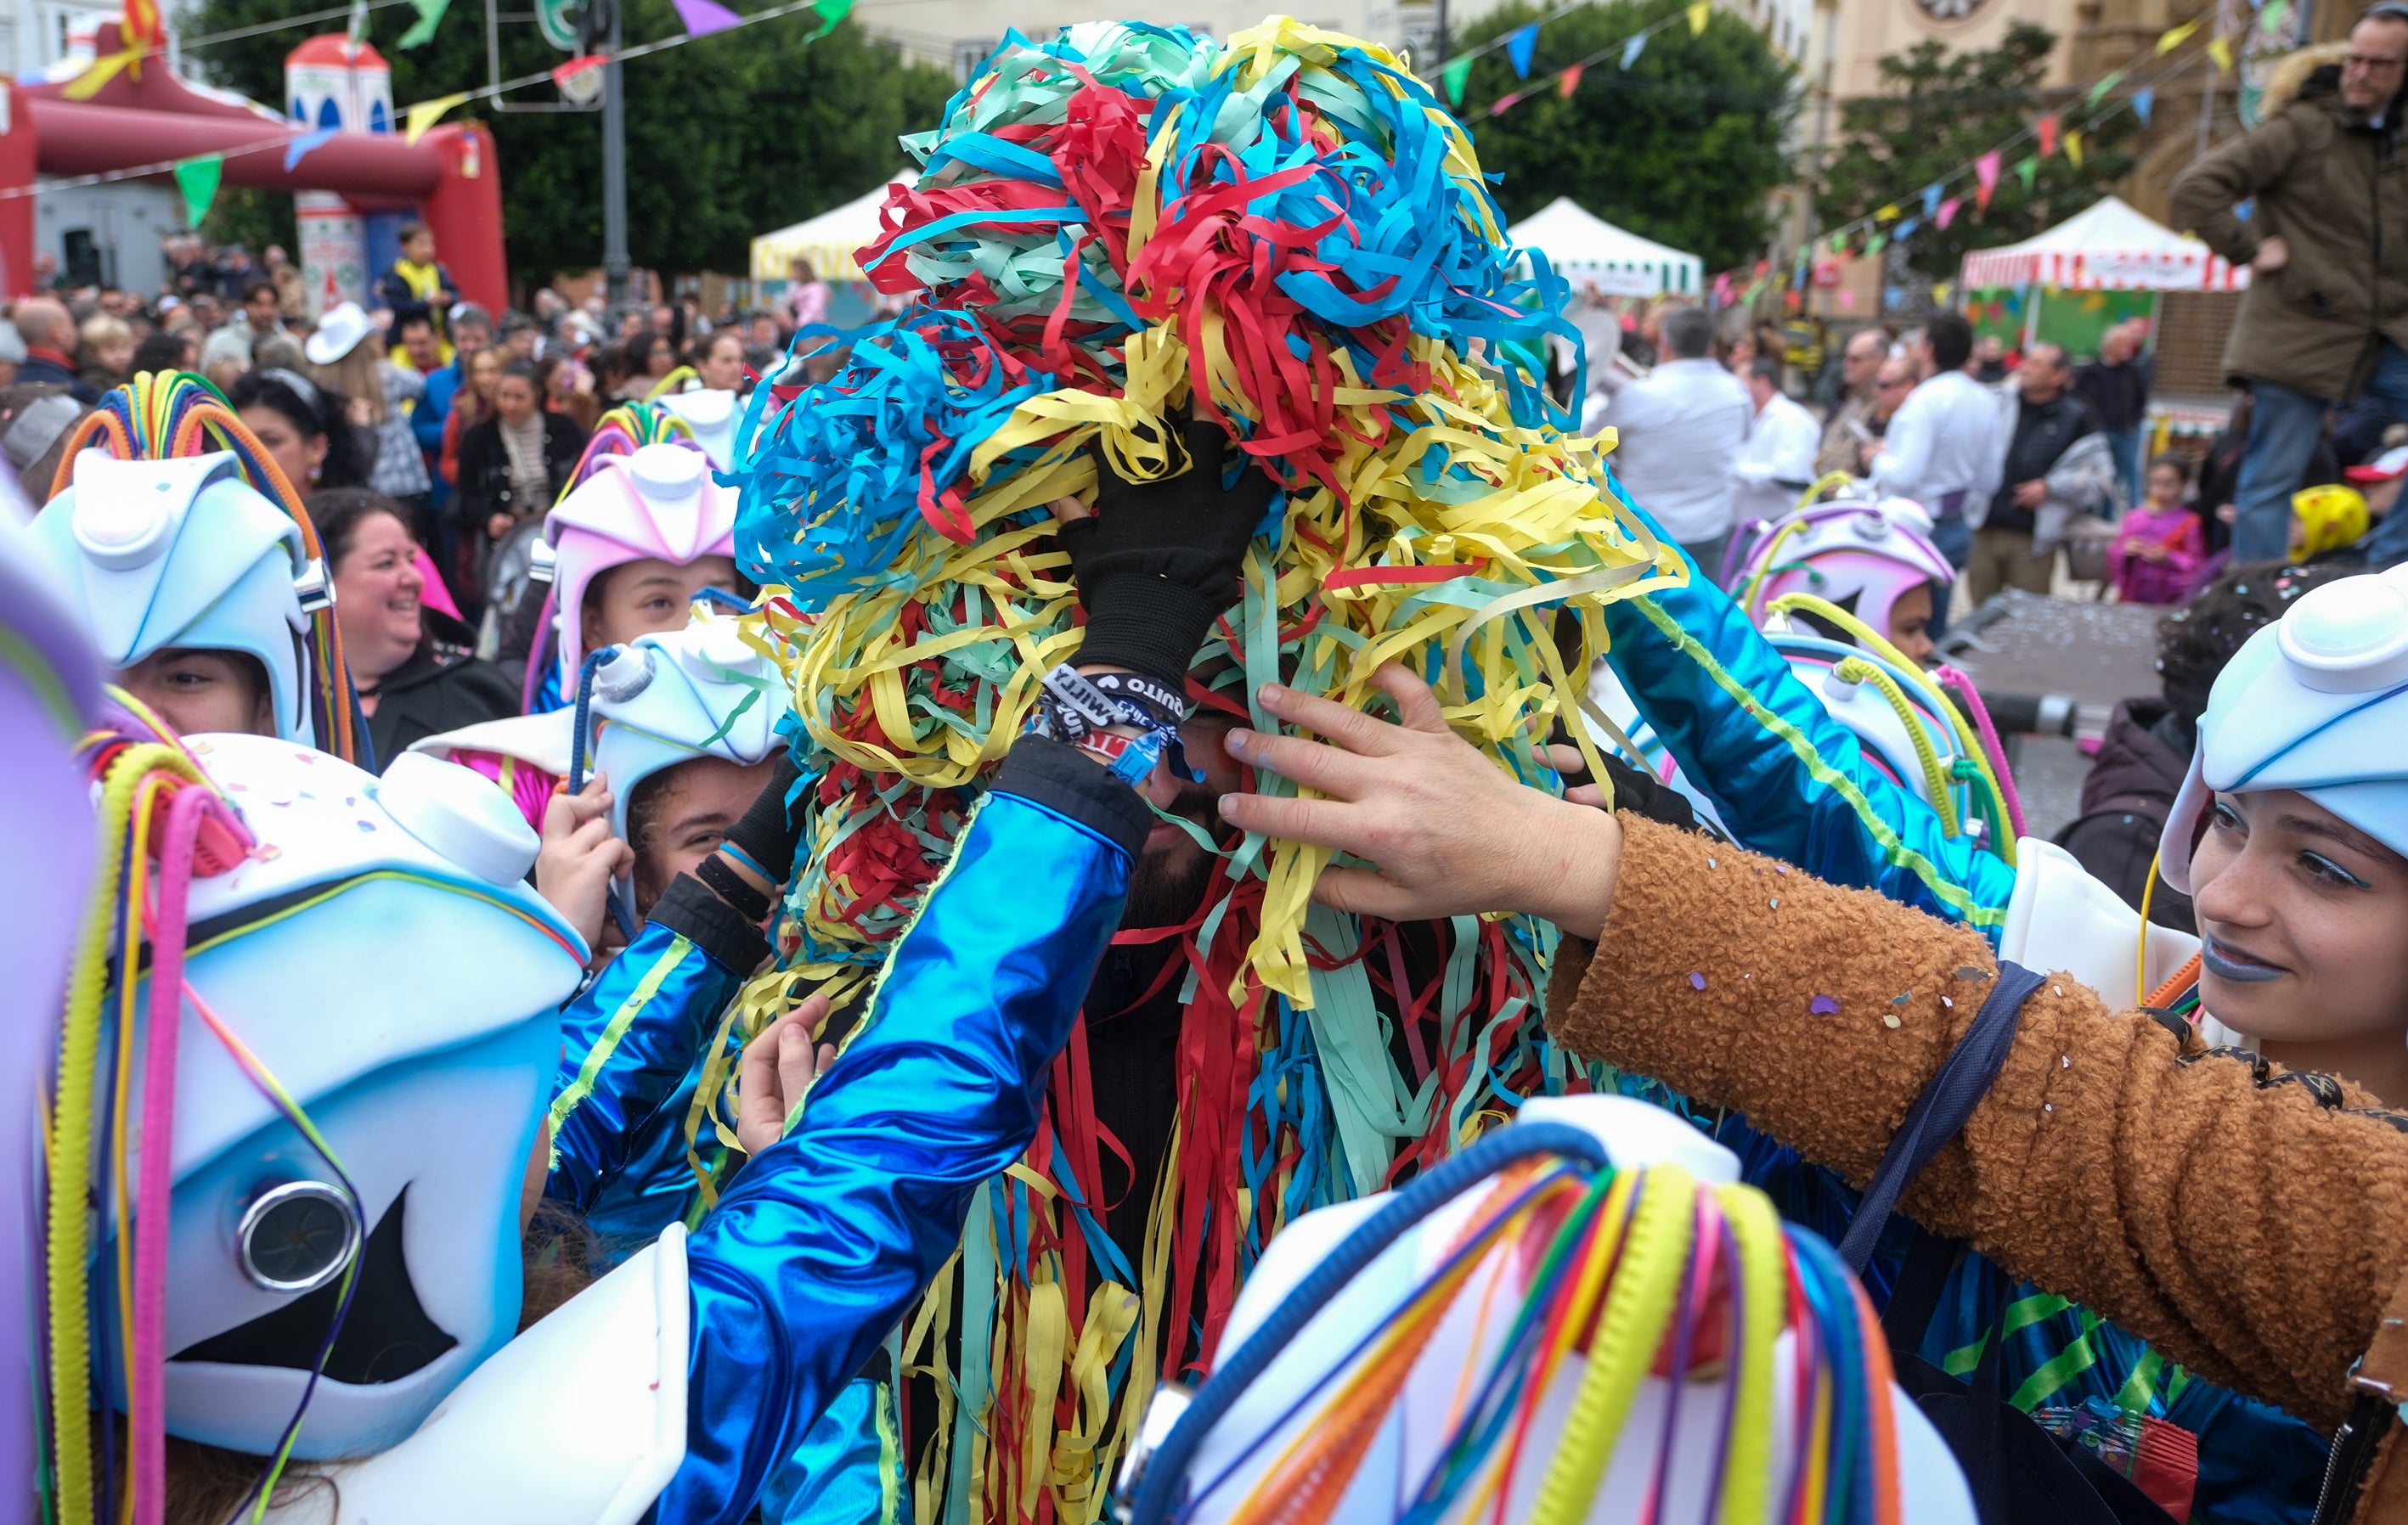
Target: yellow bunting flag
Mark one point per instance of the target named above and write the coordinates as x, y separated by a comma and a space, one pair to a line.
2175, 36
2220, 51
1886, 214
87, 84
1698, 11
2074, 148
427, 114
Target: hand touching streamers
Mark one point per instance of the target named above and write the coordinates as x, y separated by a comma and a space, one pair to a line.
1447, 833
780, 1065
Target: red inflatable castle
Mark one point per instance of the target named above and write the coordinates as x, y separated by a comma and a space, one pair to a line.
448, 178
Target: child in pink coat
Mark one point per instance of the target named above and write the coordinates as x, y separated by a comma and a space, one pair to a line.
2159, 549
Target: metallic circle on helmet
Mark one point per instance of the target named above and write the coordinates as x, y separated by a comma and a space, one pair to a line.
298, 1237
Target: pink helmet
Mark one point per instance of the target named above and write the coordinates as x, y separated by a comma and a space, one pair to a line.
1861, 556
657, 501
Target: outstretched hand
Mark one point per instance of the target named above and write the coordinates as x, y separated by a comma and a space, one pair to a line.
779, 1067
1448, 832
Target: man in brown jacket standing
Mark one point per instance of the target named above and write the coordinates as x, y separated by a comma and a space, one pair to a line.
2326, 314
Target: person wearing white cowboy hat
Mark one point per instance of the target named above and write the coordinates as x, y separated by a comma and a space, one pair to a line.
347, 353
338, 332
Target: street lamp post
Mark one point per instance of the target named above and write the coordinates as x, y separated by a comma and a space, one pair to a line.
614, 168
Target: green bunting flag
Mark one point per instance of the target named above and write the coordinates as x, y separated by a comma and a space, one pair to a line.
831, 14
1457, 71
430, 16
199, 179
2025, 170
2106, 82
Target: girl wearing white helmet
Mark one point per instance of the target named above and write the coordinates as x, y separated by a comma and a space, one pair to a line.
1842, 593
679, 730
634, 542
2244, 1216
1874, 561
2291, 834
203, 583
680, 737
1759, 747
1845, 593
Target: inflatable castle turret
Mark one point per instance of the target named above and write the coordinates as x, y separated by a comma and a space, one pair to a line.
334, 82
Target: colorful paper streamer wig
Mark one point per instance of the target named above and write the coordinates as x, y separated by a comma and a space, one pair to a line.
1290, 236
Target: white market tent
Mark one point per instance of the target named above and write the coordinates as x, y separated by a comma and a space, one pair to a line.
828, 240
2107, 248
1587, 250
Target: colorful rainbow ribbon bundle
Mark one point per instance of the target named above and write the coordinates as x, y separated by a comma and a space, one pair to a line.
1594, 1281
162, 824
1288, 235
175, 415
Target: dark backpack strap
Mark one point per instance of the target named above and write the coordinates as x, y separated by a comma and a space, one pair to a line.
1940, 1113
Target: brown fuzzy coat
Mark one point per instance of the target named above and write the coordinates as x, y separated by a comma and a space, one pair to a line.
2239, 1227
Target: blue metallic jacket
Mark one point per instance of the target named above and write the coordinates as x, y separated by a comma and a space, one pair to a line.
820, 1243
632, 1043
1786, 778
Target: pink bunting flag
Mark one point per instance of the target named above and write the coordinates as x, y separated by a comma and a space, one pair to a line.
1570, 82
1947, 212
704, 17
575, 67
1503, 104
1985, 171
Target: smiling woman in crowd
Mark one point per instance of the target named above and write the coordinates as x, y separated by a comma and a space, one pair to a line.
412, 665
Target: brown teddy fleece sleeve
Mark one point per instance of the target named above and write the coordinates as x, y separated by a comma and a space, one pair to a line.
2242, 1229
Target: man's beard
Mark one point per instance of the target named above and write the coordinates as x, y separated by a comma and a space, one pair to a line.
1167, 885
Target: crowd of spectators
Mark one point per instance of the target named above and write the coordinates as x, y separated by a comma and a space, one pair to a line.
2033, 465
470, 420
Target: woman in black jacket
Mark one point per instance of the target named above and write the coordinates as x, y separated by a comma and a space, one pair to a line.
514, 464
413, 667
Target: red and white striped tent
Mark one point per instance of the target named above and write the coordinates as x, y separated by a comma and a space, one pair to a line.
2107, 248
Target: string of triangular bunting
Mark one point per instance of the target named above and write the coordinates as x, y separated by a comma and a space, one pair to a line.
1521, 47
1942, 199
198, 176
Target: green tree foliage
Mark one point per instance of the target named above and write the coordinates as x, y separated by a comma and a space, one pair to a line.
252, 218
1938, 111
1684, 147
728, 137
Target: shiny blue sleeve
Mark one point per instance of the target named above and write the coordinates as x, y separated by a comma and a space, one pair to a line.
1786, 779
629, 1043
824, 1240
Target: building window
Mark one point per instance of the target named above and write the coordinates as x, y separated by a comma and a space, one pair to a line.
969, 55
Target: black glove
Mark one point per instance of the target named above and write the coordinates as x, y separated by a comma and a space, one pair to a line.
766, 836
1635, 790
1158, 562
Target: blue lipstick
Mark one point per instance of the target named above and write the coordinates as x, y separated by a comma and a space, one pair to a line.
2231, 964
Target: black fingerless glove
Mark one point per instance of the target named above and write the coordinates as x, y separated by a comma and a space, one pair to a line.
767, 836
1635, 790
1158, 562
